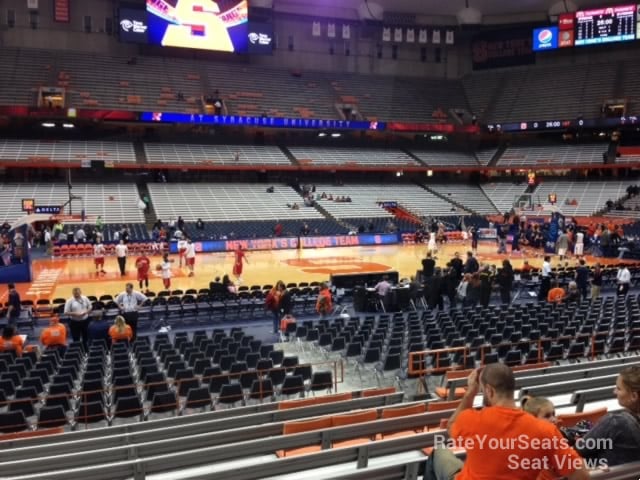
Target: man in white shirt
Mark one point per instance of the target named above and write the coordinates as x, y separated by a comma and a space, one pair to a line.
80, 236
182, 250
77, 309
121, 255
383, 286
190, 254
48, 241
624, 279
545, 278
129, 303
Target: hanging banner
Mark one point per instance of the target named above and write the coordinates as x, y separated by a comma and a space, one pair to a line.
502, 48
449, 37
61, 11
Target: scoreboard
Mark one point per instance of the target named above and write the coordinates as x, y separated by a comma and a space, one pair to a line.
605, 25
591, 27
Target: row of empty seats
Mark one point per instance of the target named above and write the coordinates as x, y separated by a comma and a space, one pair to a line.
366, 199
518, 94
352, 156
155, 83
590, 196
224, 202
402, 99
552, 156
64, 151
116, 203
504, 195
232, 155
446, 159
469, 196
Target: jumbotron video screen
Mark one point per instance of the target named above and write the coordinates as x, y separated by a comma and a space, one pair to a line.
201, 24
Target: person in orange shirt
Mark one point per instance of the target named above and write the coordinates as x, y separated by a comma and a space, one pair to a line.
556, 294
120, 331
55, 335
10, 341
324, 304
501, 440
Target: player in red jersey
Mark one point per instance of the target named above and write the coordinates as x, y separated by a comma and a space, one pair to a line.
98, 257
240, 258
143, 265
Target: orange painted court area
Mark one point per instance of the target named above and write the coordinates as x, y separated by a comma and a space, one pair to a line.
55, 278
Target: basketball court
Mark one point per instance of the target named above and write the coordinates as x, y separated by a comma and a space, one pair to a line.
55, 278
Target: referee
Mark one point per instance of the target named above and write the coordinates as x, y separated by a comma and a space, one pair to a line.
129, 302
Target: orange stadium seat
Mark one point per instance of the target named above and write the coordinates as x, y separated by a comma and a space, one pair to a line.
571, 419
439, 406
402, 412
305, 402
350, 419
378, 391
290, 428
443, 392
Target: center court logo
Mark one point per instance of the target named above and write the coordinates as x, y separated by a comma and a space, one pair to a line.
545, 36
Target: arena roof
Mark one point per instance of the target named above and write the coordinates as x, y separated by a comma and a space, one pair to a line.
490, 8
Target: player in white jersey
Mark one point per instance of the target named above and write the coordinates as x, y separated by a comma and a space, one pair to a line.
578, 249
98, 257
166, 271
190, 255
182, 249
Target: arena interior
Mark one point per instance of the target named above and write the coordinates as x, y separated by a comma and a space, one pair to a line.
349, 225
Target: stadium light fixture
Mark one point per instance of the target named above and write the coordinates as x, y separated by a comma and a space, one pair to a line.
48, 124
322, 134
336, 135
68, 125
469, 15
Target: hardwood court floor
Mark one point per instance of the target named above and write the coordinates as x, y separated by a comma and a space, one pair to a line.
56, 277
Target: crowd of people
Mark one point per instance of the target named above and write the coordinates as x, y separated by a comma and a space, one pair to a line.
466, 282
